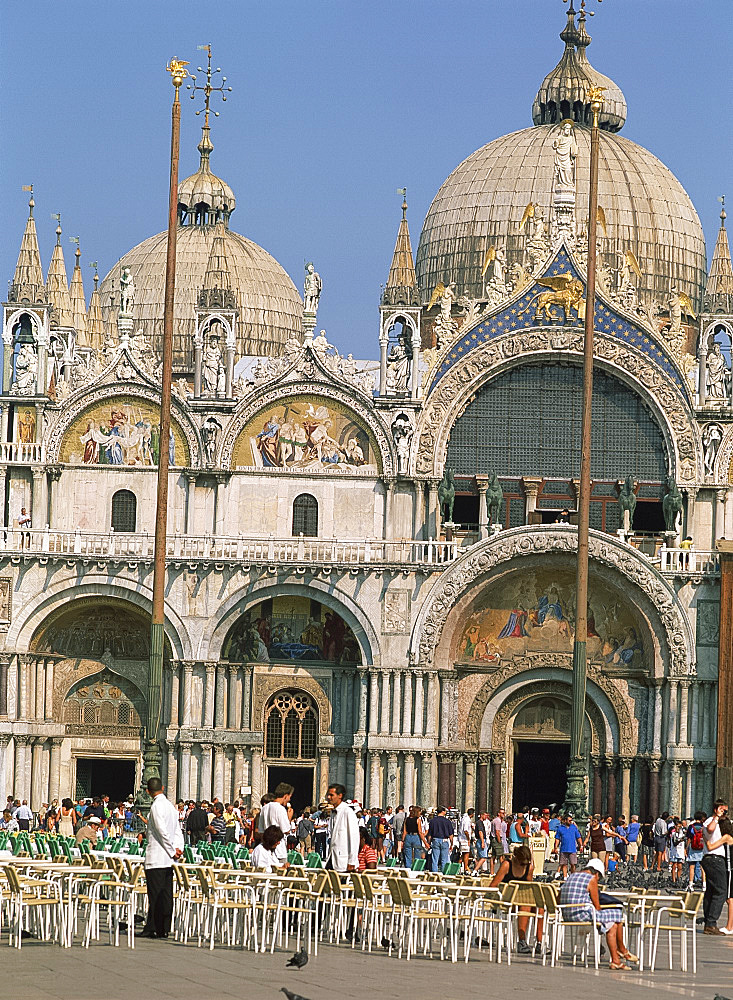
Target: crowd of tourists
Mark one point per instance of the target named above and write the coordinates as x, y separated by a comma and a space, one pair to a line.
690, 853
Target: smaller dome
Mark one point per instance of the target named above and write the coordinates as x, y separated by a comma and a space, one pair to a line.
204, 198
564, 91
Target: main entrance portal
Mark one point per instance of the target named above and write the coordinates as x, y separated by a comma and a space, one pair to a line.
301, 778
539, 773
105, 776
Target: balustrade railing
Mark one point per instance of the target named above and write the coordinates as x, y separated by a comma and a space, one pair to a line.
22, 453
223, 548
689, 562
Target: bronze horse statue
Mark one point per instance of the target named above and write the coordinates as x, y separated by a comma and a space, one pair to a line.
627, 500
671, 504
494, 498
447, 494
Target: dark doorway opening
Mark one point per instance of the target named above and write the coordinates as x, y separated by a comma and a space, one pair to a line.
301, 778
539, 773
104, 776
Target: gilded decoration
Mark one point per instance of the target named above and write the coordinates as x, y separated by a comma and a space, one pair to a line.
121, 431
456, 388
534, 611
306, 434
290, 628
518, 542
250, 418
540, 710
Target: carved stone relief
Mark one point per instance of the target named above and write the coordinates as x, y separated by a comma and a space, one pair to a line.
396, 612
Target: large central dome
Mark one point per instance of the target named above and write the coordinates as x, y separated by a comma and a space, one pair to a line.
270, 309
483, 202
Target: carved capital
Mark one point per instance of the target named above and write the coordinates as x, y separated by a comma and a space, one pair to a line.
654, 764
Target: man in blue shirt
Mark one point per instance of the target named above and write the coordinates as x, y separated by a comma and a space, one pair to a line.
621, 838
569, 842
440, 834
632, 835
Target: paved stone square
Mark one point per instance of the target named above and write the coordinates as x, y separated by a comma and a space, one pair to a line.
159, 970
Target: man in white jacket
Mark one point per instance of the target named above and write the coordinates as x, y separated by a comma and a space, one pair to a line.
164, 846
275, 813
343, 854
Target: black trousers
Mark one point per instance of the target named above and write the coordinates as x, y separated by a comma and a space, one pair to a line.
160, 900
716, 888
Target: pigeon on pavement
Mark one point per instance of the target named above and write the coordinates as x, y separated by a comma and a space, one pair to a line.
290, 995
299, 959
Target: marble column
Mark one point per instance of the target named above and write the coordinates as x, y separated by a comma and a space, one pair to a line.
482, 483
323, 777
187, 694
175, 674
39, 676
374, 791
220, 697
687, 771
391, 791
4, 665
384, 709
256, 776
482, 792
673, 717
407, 704
184, 783
347, 716
657, 737
654, 767
597, 797
408, 780
359, 790
50, 666
469, 789
205, 778
694, 712
684, 712
626, 763
191, 506
238, 779
419, 728
219, 761
705, 706
233, 671
361, 722
373, 701
23, 671
443, 783
431, 724
396, 702
5, 782
246, 697
708, 770
38, 792
496, 766
611, 785
19, 787
427, 797
675, 799
209, 696
336, 701
171, 785
39, 498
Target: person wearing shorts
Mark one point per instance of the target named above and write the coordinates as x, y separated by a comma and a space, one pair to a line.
498, 842
568, 842
632, 848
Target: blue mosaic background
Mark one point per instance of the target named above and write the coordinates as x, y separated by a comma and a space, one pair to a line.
607, 321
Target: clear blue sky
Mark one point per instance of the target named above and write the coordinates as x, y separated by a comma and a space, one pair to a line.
335, 105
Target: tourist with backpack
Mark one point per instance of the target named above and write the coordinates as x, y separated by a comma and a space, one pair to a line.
695, 846
661, 832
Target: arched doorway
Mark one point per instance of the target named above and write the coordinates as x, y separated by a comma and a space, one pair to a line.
540, 752
291, 737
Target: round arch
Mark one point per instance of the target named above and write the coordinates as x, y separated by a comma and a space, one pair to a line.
212, 641
456, 389
479, 562
27, 620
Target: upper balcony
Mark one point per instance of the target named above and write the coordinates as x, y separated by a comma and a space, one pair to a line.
427, 556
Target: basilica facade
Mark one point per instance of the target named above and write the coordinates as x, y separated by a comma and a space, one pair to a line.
371, 563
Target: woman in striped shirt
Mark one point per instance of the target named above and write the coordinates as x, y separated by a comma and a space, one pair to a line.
367, 853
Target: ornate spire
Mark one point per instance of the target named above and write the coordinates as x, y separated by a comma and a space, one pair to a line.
78, 300
57, 288
217, 289
564, 91
402, 288
719, 288
95, 322
27, 283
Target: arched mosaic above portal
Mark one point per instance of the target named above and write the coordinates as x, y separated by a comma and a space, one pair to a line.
121, 431
310, 433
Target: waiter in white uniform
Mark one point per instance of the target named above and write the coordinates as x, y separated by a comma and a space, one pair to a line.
164, 846
343, 854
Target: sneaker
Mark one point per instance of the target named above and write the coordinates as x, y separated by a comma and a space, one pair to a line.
712, 930
538, 948
724, 930
523, 948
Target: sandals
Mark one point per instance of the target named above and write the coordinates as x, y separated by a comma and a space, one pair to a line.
619, 967
628, 957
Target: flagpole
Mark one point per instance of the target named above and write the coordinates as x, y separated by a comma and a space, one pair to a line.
576, 798
152, 755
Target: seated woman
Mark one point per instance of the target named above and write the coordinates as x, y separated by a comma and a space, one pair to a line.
367, 851
580, 900
519, 868
263, 856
